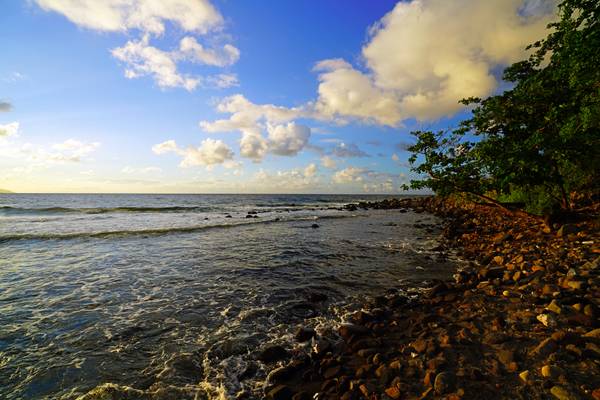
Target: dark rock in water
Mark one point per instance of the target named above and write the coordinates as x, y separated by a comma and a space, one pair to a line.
350, 207
249, 216
228, 216
281, 374
348, 330
317, 297
304, 334
280, 392
183, 368
273, 353
314, 226
249, 372
303, 310
444, 383
302, 396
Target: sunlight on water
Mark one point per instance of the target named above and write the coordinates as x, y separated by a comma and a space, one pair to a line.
162, 303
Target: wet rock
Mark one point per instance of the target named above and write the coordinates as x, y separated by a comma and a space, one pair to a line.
562, 393
524, 376
444, 383
547, 319
273, 353
546, 347
393, 392
305, 334
280, 392
348, 331
332, 372
314, 226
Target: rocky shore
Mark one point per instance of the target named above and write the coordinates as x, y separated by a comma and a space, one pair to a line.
519, 322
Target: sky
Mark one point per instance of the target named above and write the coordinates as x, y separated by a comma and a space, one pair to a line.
223, 96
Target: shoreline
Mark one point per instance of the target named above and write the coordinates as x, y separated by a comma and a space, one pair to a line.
520, 321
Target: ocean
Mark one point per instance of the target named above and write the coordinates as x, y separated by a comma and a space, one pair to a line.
151, 291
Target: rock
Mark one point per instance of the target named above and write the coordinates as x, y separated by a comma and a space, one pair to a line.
305, 334
228, 216
349, 330
524, 376
302, 396
419, 345
593, 334
332, 372
393, 392
282, 373
554, 307
280, 392
546, 347
562, 393
272, 353
314, 226
550, 371
547, 319
567, 229
444, 383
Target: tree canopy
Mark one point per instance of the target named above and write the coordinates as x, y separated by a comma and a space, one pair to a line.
537, 143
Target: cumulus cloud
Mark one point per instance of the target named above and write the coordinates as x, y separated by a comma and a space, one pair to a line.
69, 151
351, 150
7, 130
349, 175
288, 180
347, 92
425, 55
287, 140
149, 19
210, 153
5, 106
328, 162
145, 15
141, 59
251, 120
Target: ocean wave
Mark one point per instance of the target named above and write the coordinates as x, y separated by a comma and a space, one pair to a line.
155, 231
100, 210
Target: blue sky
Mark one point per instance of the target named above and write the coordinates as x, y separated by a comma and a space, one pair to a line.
235, 96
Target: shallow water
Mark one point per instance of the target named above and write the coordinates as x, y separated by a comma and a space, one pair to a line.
167, 290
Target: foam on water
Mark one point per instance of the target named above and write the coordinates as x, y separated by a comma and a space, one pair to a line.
156, 302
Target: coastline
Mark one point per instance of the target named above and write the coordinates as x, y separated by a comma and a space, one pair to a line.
520, 321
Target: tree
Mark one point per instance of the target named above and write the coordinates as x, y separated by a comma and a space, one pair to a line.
539, 141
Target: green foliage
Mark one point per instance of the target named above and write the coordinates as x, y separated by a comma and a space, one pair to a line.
539, 141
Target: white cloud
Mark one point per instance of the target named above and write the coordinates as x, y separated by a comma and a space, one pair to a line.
69, 151
251, 120
286, 180
287, 140
149, 18
351, 150
349, 175
425, 55
190, 49
165, 147
145, 15
310, 170
253, 145
210, 153
346, 92
5, 106
8, 130
141, 59
328, 162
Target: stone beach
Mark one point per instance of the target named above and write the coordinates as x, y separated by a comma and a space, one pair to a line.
520, 321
